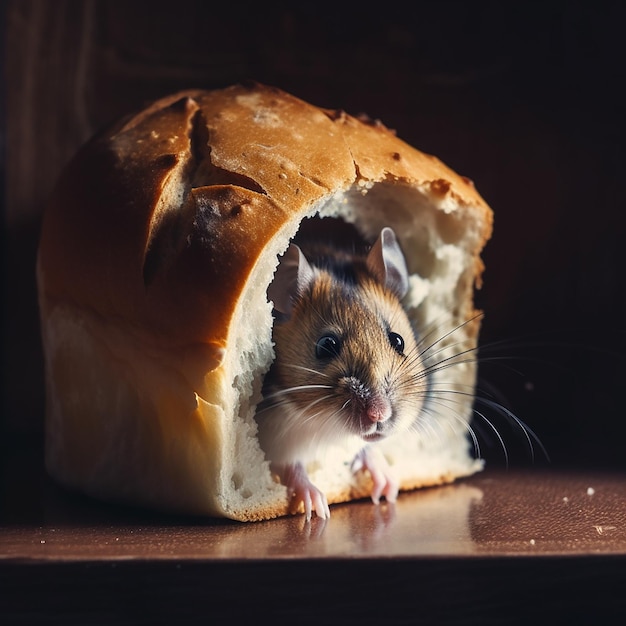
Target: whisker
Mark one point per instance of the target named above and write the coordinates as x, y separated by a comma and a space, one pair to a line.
497, 434
528, 432
309, 369
447, 334
282, 392
307, 408
262, 409
458, 418
426, 427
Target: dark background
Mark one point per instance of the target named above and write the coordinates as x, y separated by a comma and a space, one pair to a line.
525, 98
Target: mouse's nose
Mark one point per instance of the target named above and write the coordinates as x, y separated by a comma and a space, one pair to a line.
369, 404
378, 409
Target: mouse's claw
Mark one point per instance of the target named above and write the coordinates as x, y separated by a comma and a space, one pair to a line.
384, 480
303, 492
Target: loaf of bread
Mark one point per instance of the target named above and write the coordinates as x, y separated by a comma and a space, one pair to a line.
156, 252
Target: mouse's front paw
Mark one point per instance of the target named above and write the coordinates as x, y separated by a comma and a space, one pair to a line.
302, 491
384, 480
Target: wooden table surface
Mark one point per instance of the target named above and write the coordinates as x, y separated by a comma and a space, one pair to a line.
505, 546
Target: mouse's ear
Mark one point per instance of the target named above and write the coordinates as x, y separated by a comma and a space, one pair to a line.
292, 276
386, 261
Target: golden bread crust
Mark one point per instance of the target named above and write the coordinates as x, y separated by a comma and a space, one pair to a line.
161, 238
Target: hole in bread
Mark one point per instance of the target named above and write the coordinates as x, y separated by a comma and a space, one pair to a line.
436, 236
333, 231
237, 481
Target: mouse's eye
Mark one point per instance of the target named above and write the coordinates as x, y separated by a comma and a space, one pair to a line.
397, 343
327, 347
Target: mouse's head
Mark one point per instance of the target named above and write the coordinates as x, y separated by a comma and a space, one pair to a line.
347, 361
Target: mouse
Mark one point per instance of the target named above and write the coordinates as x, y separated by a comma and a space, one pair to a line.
347, 366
